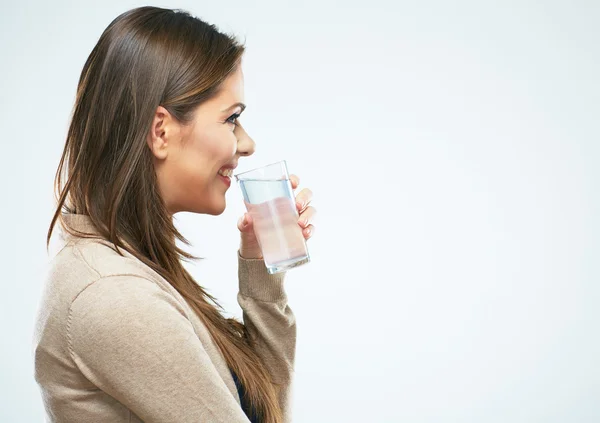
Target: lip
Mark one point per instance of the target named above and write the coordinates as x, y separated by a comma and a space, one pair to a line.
229, 166
225, 179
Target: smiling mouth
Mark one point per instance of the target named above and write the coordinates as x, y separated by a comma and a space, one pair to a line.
226, 172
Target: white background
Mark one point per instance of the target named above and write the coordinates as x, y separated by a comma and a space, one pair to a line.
453, 151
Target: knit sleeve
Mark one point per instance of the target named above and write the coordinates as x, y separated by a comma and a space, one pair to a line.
134, 341
270, 322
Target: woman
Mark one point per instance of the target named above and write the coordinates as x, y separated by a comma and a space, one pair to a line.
124, 333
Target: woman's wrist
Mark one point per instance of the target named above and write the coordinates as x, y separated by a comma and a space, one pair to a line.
249, 247
249, 253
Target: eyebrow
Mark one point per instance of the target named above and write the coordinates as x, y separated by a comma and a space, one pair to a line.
233, 106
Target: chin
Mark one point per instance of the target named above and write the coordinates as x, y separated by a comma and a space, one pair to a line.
214, 209
211, 203
218, 212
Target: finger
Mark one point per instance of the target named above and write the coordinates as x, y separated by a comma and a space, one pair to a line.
244, 223
304, 198
307, 216
308, 232
295, 180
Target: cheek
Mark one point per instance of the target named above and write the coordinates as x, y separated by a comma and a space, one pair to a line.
201, 160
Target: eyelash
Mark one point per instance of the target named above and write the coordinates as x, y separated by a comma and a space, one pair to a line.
235, 116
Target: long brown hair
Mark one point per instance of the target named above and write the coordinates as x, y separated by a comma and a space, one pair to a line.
147, 57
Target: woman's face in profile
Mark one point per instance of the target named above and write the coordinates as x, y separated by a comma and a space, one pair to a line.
188, 157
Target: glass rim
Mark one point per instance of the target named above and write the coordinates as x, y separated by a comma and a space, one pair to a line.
237, 175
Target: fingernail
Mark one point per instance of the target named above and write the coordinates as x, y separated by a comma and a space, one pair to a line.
299, 205
245, 222
308, 232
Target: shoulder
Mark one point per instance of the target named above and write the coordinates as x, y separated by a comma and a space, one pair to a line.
95, 268
123, 296
100, 258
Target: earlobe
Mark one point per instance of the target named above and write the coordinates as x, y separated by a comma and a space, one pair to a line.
158, 146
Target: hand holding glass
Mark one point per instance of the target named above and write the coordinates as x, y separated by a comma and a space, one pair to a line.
270, 200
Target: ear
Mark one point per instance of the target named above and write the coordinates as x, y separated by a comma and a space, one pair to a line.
158, 137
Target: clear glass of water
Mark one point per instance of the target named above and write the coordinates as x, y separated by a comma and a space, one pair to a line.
270, 200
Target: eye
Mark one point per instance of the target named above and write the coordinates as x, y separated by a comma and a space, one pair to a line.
233, 118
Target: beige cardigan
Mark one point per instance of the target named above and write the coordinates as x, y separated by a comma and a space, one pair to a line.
115, 342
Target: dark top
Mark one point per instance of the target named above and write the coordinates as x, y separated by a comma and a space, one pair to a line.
242, 393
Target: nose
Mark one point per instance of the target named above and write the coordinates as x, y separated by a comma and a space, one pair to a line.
246, 145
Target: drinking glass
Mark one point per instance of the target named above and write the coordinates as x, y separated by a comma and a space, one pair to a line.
269, 198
